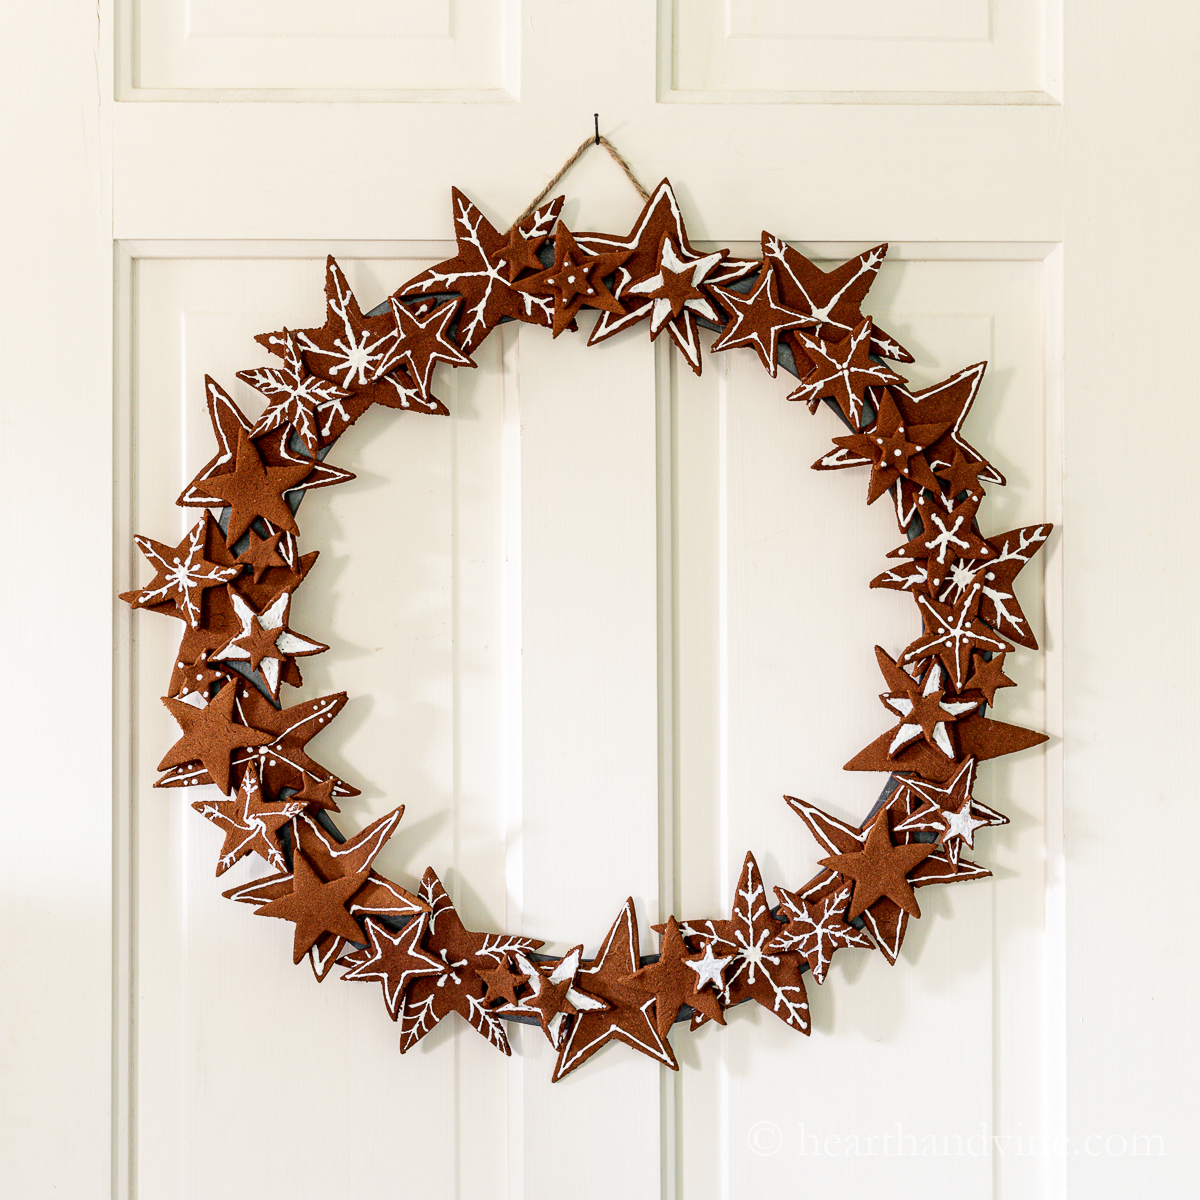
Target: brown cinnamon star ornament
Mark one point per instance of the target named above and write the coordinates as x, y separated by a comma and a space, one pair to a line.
575, 281
950, 811
951, 456
756, 972
841, 371
280, 757
833, 297
306, 402
954, 633
758, 318
249, 477
627, 1016
501, 982
181, 576
892, 449
988, 677
817, 927
330, 860
550, 994
922, 706
675, 980
264, 642
394, 959
210, 736
994, 572
947, 534
423, 342
317, 794
191, 682
460, 988
486, 266
972, 734
672, 301
885, 920
250, 823
261, 554
880, 868
316, 905
220, 621
349, 350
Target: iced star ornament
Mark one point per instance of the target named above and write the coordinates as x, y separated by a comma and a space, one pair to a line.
181, 576
246, 749
757, 319
264, 643
486, 267
663, 278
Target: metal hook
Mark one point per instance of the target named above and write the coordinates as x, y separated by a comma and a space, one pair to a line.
597, 116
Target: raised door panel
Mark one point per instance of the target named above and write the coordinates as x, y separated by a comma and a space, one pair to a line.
924, 50
776, 688
487, 585
435, 49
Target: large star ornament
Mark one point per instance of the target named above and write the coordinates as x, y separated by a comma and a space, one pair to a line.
484, 270
664, 278
628, 1013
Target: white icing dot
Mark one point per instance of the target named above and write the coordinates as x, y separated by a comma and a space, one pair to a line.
184, 691
181, 665
570, 278
896, 453
989, 576
274, 763
199, 678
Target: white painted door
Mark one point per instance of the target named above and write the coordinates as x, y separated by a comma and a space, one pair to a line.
596, 622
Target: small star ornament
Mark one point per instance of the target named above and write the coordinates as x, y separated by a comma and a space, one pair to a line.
575, 281
552, 995
264, 642
182, 574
